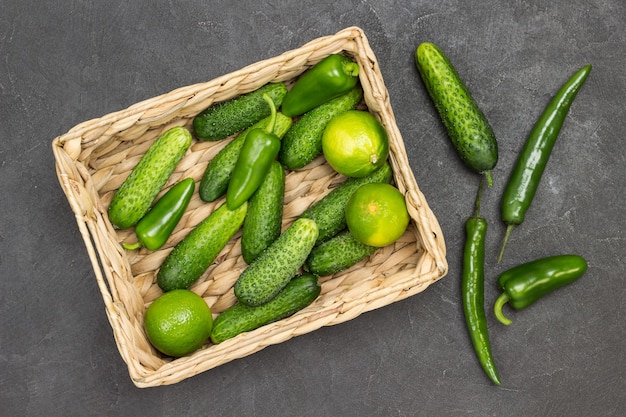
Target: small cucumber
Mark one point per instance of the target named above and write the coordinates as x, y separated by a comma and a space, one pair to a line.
265, 214
337, 254
214, 182
301, 291
276, 265
329, 212
224, 119
136, 194
195, 253
303, 142
467, 126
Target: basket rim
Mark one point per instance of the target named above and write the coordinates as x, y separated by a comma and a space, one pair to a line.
74, 179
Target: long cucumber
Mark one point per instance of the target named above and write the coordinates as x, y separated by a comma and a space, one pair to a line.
195, 253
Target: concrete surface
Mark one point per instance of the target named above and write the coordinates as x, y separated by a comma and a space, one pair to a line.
70, 61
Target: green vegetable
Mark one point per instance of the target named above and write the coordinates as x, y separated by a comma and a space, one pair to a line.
329, 78
157, 225
329, 211
532, 161
303, 142
265, 214
524, 284
472, 290
195, 253
301, 291
337, 254
136, 194
467, 126
276, 265
224, 119
259, 150
217, 174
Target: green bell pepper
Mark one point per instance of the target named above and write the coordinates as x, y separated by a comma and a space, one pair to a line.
524, 284
331, 77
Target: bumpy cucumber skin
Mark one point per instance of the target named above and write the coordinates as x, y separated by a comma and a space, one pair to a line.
467, 126
329, 212
337, 254
214, 182
300, 292
195, 253
276, 265
265, 214
135, 196
303, 142
229, 117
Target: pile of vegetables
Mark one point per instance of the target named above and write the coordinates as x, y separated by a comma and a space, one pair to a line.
271, 129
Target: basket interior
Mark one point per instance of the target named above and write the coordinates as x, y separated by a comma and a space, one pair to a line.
94, 158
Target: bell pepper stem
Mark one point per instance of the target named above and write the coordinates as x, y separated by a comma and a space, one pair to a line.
270, 125
351, 68
131, 246
507, 234
497, 309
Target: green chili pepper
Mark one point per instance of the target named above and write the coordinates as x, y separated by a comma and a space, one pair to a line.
259, 149
472, 290
157, 225
534, 156
524, 284
331, 77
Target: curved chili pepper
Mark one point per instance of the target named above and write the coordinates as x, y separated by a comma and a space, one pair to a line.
524, 284
331, 77
472, 290
532, 161
157, 225
259, 149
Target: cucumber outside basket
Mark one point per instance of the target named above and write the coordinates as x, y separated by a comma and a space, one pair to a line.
93, 158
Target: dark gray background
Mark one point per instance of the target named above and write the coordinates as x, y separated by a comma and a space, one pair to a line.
70, 61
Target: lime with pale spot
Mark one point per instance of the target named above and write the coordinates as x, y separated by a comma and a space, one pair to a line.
376, 214
355, 143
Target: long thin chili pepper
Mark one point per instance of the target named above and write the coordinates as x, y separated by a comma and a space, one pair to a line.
532, 161
472, 289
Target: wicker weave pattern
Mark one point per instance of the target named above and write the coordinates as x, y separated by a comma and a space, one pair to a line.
94, 158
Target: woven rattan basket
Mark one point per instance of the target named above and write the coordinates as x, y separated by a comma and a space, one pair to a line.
94, 157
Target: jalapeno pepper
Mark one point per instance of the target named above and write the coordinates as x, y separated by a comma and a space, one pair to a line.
259, 149
157, 225
331, 77
533, 158
472, 290
524, 284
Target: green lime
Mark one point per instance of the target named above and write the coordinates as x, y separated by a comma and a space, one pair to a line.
355, 143
376, 214
178, 322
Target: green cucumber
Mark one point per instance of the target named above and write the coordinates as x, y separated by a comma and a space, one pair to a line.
214, 182
337, 254
195, 253
226, 118
467, 126
329, 211
303, 142
301, 291
265, 214
135, 196
276, 265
